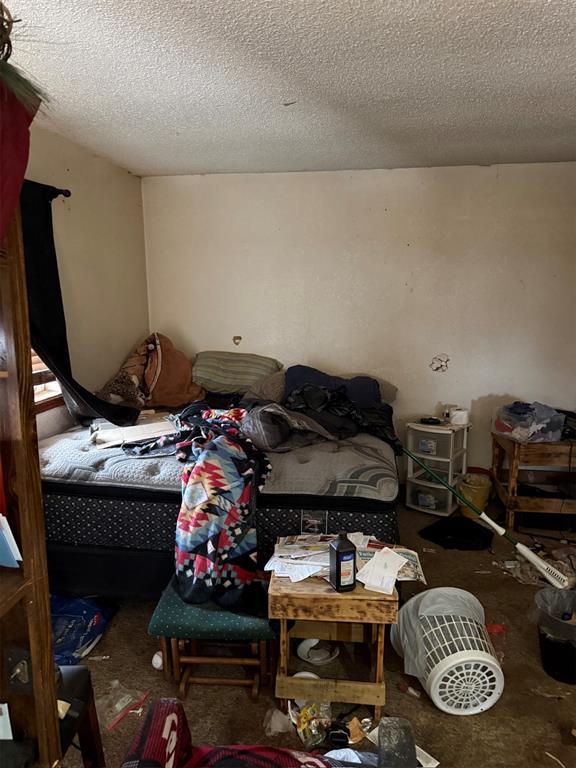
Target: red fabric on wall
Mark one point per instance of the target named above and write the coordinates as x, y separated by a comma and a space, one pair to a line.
14, 146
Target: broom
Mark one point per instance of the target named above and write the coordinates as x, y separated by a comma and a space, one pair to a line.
551, 574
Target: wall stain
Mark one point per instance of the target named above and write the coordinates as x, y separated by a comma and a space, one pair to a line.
439, 363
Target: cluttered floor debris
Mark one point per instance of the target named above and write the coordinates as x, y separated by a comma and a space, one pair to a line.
531, 724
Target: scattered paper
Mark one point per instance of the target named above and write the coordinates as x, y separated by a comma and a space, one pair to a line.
304, 555
410, 571
5, 725
426, 760
109, 438
7, 531
63, 707
294, 570
359, 540
355, 730
380, 572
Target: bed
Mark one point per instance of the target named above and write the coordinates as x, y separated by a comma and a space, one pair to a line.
110, 518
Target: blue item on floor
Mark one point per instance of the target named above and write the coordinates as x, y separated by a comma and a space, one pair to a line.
77, 625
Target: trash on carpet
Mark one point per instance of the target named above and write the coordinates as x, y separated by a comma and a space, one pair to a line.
347, 756
157, 660
556, 760
276, 722
563, 559
405, 688
548, 693
119, 702
77, 625
311, 718
355, 730
498, 634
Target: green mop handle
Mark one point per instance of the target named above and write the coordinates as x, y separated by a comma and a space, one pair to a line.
555, 577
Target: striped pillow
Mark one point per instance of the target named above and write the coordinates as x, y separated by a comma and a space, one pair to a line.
231, 371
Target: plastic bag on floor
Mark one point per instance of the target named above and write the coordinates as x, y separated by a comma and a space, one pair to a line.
120, 701
77, 625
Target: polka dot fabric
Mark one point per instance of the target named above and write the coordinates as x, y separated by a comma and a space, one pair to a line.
175, 618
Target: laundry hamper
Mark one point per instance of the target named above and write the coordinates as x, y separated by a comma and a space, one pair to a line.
442, 637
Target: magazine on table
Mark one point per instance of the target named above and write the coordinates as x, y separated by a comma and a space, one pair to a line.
303, 555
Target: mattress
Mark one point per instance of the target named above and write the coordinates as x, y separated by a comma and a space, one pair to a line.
102, 498
362, 467
72, 458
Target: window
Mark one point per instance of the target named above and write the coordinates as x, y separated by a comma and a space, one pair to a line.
47, 391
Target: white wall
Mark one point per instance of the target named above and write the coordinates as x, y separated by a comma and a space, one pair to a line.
378, 271
100, 245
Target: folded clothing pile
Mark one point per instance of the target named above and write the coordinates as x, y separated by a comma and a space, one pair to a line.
529, 422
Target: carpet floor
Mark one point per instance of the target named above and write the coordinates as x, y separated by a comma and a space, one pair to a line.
530, 726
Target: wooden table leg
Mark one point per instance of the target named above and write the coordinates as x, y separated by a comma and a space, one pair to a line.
379, 666
512, 485
497, 461
284, 654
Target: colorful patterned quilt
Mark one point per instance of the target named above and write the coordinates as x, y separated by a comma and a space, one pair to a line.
215, 532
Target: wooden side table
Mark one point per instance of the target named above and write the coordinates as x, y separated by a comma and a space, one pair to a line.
548, 457
320, 611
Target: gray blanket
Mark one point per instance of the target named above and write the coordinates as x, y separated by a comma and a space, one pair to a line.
271, 427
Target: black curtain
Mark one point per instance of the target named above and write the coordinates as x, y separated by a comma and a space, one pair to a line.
46, 310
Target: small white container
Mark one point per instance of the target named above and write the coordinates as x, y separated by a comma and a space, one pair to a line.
443, 447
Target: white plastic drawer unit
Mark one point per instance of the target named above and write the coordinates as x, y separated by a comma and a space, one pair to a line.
443, 448
438, 444
441, 468
429, 498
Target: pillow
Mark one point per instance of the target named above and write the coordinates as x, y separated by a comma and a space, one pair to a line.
270, 388
388, 391
362, 390
127, 386
232, 371
155, 374
168, 375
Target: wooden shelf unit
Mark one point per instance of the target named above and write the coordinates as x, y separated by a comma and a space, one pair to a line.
543, 458
25, 624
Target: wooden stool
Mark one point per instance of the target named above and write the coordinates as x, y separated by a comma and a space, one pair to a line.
320, 611
186, 630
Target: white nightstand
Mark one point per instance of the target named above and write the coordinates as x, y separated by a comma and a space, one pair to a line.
444, 448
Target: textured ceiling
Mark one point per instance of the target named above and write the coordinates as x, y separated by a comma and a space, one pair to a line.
203, 86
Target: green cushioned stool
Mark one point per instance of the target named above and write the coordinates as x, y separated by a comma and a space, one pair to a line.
185, 629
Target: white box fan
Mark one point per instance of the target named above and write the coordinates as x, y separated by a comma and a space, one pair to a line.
442, 637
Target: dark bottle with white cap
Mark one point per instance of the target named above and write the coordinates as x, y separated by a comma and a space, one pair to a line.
342, 563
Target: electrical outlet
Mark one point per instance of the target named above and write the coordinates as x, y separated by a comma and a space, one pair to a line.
18, 670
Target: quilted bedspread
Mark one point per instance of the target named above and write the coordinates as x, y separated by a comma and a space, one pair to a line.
215, 532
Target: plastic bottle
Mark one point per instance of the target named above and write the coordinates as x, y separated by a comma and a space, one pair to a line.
342, 563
